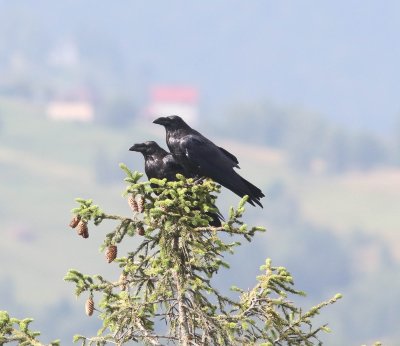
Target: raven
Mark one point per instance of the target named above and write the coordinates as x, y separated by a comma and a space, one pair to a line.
202, 158
160, 164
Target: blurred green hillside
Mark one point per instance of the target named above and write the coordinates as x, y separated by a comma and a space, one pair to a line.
336, 231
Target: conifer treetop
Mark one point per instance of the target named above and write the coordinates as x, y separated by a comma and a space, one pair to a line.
165, 294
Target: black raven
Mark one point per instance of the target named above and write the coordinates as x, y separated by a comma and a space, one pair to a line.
160, 164
202, 158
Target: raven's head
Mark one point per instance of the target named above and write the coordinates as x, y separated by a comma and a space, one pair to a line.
146, 148
172, 122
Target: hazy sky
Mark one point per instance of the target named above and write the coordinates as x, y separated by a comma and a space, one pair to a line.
339, 58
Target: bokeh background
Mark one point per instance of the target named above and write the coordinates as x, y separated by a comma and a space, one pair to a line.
306, 94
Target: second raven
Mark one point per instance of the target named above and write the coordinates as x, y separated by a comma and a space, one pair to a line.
158, 163
200, 157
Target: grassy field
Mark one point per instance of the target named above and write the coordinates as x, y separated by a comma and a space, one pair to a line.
354, 202
346, 203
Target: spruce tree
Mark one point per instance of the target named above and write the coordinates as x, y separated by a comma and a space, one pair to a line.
165, 294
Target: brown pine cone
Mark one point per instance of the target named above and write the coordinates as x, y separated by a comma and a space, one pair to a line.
89, 306
74, 222
82, 229
140, 204
111, 253
85, 234
133, 204
140, 230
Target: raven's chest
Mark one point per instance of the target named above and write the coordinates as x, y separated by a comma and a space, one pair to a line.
153, 167
173, 143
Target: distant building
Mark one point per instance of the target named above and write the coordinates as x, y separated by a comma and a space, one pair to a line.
70, 111
74, 105
174, 100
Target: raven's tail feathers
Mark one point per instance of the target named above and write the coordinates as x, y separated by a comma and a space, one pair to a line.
242, 187
254, 193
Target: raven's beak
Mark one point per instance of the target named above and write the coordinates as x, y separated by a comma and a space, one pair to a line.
136, 147
161, 121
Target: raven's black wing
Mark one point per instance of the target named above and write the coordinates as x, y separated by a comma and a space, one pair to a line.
217, 164
231, 156
170, 168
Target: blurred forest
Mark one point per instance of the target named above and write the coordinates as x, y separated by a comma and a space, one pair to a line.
304, 110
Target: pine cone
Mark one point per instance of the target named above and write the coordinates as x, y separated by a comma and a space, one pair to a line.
75, 221
82, 229
85, 234
89, 306
140, 204
133, 204
111, 253
140, 230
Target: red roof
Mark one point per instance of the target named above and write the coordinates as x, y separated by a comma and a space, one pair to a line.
174, 94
